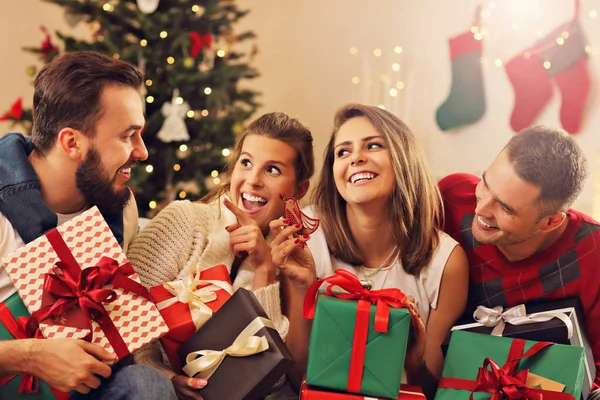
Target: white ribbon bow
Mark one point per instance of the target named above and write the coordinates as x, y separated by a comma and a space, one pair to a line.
185, 291
516, 316
206, 362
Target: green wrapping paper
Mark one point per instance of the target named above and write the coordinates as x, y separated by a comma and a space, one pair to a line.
467, 352
331, 347
10, 389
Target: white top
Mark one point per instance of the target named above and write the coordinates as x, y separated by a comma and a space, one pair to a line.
423, 287
10, 241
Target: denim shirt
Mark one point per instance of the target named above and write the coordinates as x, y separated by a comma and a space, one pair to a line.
20, 195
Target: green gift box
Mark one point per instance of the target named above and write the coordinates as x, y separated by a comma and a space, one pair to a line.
13, 308
467, 352
331, 346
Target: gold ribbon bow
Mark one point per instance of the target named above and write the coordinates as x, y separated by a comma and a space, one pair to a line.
497, 317
205, 362
185, 291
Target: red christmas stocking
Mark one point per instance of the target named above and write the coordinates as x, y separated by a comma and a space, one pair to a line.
532, 86
570, 72
532, 82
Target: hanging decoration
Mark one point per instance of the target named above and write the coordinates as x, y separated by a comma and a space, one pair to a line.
148, 6
174, 128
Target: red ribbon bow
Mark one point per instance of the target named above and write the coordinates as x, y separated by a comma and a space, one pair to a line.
199, 42
16, 111
383, 299
47, 45
17, 329
68, 287
506, 382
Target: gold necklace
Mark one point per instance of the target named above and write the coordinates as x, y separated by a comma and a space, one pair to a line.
368, 283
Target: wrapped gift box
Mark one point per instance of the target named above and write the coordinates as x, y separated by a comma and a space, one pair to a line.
407, 392
186, 304
12, 315
467, 352
247, 377
333, 334
81, 259
550, 330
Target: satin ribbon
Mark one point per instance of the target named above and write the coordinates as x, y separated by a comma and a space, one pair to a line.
506, 382
186, 291
383, 299
199, 42
18, 329
497, 317
204, 363
16, 111
71, 287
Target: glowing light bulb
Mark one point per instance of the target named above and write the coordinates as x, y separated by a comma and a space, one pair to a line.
377, 52
176, 167
143, 43
149, 168
396, 67
183, 148
226, 152
355, 80
214, 173
150, 99
353, 51
398, 50
207, 90
179, 100
152, 205
163, 34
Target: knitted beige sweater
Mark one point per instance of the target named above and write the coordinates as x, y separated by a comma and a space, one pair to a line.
185, 236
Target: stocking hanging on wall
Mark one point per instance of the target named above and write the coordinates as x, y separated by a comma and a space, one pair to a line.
532, 72
466, 102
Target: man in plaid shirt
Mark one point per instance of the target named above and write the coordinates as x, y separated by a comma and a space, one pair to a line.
523, 241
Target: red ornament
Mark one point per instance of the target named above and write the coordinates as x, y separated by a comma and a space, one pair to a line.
15, 112
47, 45
199, 42
293, 213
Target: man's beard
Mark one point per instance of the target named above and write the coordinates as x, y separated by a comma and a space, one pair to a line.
97, 189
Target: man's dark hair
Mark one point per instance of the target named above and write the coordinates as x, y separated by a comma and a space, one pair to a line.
67, 93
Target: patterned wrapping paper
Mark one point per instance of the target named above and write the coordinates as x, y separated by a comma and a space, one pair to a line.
88, 238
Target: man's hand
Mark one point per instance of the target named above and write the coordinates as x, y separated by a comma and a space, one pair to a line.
68, 364
187, 388
290, 253
245, 236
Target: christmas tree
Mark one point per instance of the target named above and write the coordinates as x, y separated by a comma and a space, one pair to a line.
194, 105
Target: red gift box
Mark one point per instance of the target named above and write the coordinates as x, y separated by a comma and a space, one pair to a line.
407, 392
77, 283
186, 304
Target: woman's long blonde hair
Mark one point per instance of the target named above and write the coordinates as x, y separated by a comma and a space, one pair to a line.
415, 206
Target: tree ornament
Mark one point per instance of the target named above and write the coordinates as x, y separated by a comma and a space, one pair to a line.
174, 128
31, 71
148, 6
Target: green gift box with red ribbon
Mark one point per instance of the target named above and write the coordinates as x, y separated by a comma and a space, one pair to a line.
13, 321
359, 336
481, 367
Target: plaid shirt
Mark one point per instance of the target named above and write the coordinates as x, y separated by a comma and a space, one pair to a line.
570, 267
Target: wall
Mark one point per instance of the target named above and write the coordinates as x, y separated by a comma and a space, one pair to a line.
307, 68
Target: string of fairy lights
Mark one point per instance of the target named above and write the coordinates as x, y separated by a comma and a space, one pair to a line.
394, 84
188, 62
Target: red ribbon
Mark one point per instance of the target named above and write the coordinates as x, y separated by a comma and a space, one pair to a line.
383, 299
70, 287
199, 42
16, 111
47, 45
506, 382
17, 329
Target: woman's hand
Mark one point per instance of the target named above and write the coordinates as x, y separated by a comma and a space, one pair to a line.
415, 351
187, 388
290, 253
246, 237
